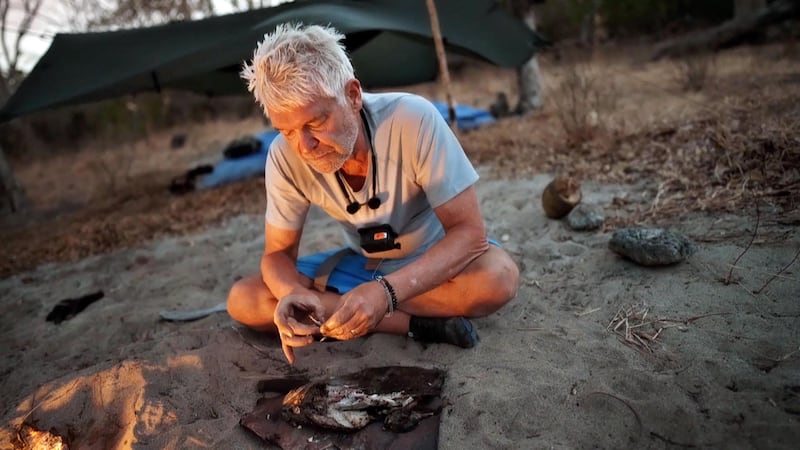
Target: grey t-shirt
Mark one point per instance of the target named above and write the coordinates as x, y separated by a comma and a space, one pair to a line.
420, 165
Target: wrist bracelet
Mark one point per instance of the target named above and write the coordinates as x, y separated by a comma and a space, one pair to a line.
391, 296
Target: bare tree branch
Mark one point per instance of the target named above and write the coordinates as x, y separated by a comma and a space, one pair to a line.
4, 7
12, 49
104, 15
31, 10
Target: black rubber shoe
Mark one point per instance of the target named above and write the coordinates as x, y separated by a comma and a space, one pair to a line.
452, 330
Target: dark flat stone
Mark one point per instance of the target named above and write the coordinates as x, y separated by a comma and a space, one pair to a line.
651, 246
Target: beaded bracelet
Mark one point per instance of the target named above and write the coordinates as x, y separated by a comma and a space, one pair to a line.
391, 296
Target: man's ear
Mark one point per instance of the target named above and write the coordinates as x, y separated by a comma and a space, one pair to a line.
352, 90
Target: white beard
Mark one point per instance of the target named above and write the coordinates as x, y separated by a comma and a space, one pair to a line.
333, 162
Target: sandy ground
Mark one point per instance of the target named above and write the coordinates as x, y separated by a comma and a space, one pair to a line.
723, 371
547, 373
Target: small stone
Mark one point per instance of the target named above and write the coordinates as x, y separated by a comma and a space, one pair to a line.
178, 140
505, 237
586, 217
651, 246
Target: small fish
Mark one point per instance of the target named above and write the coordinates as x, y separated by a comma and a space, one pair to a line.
399, 396
318, 323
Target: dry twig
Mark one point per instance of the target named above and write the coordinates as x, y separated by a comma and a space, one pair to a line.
589, 311
261, 351
628, 405
758, 291
692, 319
49, 398
783, 358
630, 324
755, 231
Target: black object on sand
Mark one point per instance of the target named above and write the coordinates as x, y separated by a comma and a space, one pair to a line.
69, 308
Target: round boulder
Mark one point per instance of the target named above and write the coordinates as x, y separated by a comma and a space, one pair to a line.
651, 246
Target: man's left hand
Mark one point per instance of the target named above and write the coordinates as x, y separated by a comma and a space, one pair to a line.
360, 311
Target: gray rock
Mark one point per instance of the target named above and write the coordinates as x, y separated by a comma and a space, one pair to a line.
651, 246
586, 217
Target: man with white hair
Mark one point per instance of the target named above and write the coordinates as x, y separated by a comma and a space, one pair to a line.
388, 169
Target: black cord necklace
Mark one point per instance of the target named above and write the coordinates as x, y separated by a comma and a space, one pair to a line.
374, 202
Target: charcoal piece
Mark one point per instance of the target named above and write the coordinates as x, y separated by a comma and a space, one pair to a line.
69, 308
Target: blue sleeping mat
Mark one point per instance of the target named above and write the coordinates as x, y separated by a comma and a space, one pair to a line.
230, 170
467, 117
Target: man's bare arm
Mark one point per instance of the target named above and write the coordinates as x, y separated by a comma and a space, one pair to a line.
464, 241
279, 273
279, 262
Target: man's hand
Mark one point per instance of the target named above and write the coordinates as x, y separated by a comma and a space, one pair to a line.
291, 310
360, 311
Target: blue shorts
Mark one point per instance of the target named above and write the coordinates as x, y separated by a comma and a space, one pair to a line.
350, 272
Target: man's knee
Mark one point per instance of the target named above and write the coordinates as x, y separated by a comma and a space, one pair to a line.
499, 279
245, 297
503, 276
236, 295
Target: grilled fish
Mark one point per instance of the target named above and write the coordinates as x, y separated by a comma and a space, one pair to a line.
399, 396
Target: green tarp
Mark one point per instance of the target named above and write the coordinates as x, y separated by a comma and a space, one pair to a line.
389, 42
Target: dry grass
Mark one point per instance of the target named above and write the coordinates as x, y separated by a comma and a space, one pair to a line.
696, 70
734, 142
713, 150
632, 325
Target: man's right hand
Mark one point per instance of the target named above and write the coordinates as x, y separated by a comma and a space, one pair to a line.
291, 310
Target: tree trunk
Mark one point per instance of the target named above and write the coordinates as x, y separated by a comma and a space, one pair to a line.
529, 78
444, 73
746, 8
589, 26
730, 32
13, 196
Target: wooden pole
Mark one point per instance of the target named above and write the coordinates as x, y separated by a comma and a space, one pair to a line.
15, 196
442, 57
